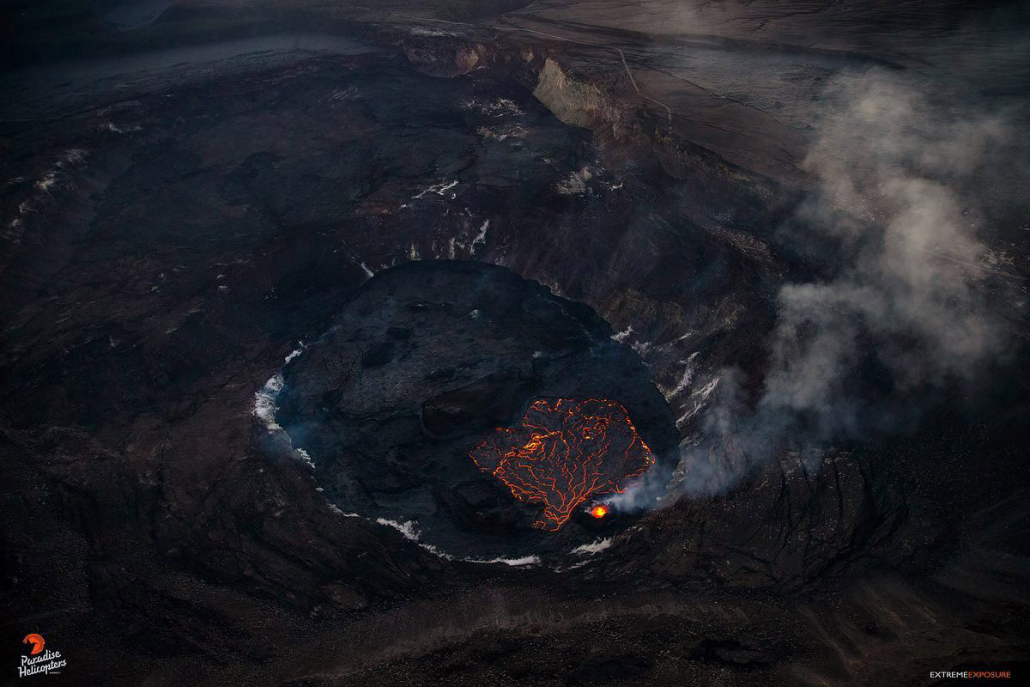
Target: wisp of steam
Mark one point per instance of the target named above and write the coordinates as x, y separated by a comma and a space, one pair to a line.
904, 313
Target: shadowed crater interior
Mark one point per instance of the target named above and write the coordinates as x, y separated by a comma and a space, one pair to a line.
414, 405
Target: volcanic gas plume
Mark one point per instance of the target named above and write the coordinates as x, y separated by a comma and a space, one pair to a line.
565, 452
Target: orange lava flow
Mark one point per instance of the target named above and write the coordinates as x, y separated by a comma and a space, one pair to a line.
599, 512
565, 452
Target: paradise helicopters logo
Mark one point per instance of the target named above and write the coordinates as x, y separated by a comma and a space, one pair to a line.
38, 661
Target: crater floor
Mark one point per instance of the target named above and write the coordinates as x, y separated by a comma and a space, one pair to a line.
422, 365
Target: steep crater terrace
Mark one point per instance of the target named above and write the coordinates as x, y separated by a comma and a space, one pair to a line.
432, 361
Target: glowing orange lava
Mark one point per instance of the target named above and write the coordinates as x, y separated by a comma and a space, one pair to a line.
565, 452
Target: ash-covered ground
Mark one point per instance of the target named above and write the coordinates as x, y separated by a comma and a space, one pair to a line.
271, 272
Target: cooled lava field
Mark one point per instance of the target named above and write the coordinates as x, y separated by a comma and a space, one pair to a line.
514, 342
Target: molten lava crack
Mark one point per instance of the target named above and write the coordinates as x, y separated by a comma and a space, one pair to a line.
565, 452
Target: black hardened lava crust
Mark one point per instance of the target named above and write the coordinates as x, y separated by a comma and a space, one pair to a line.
420, 365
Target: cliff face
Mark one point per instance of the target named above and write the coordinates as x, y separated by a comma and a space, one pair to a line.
573, 102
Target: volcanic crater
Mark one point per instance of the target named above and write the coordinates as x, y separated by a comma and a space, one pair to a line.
174, 220
474, 409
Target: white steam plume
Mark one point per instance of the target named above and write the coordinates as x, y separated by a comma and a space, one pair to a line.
904, 314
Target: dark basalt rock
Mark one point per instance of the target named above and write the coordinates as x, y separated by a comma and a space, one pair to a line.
476, 407
732, 652
379, 353
392, 399
606, 670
